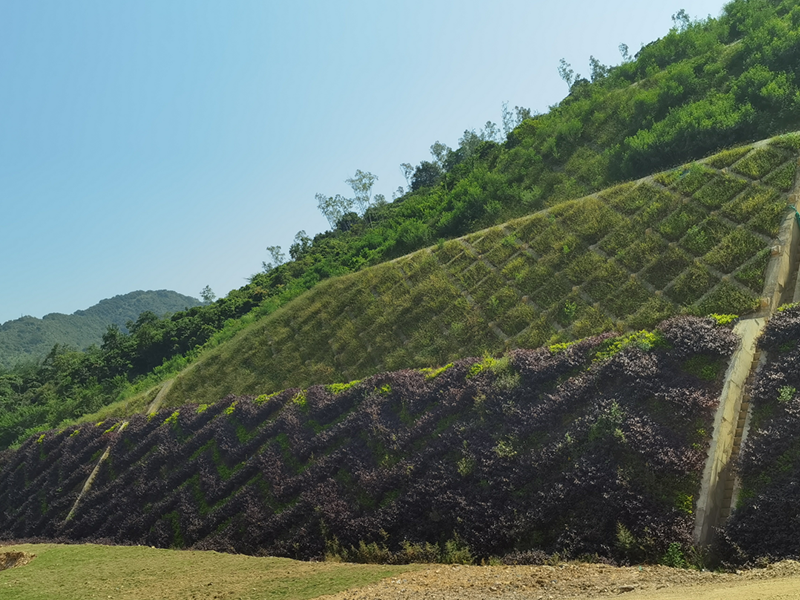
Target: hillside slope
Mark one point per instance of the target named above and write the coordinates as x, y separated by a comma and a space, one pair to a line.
702, 87
693, 239
597, 447
32, 338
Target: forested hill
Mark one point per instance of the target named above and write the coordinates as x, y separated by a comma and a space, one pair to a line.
29, 337
704, 86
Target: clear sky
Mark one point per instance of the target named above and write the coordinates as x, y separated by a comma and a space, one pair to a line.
166, 143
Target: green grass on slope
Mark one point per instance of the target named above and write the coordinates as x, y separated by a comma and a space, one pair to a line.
694, 239
88, 571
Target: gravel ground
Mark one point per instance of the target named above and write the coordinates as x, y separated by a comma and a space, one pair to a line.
778, 581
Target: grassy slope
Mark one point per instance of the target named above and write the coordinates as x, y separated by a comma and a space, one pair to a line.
695, 238
89, 571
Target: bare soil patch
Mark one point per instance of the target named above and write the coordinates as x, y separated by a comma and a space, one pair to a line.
569, 581
9, 560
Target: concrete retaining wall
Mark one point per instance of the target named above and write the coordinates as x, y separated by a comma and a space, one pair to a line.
779, 288
718, 464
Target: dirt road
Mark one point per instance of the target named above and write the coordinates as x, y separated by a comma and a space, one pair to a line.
780, 581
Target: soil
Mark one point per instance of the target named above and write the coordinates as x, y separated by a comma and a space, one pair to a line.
780, 581
14, 559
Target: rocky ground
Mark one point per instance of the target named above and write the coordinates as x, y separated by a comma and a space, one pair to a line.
778, 581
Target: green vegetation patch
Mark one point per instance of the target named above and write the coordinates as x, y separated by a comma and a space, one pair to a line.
606, 281
751, 203
721, 189
760, 162
783, 178
627, 299
768, 220
667, 267
733, 250
727, 157
752, 273
727, 297
678, 223
701, 238
592, 220
693, 178
644, 195
691, 285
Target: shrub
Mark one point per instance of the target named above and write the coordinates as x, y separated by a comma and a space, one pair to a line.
674, 557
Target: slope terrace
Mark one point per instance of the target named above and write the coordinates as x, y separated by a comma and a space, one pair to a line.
695, 239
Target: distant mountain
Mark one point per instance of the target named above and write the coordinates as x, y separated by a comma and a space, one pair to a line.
29, 337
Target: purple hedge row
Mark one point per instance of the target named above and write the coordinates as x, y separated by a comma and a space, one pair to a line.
539, 451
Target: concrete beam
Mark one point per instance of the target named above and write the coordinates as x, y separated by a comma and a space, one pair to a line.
719, 464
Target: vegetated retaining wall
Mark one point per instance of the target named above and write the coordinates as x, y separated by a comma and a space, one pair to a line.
591, 448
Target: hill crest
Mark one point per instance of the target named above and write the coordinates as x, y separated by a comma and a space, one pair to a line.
29, 337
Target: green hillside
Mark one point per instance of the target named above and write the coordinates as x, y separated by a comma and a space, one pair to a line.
32, 338
694, 239
702, 87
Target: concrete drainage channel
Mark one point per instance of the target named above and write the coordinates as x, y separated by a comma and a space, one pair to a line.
152, 409
719, 486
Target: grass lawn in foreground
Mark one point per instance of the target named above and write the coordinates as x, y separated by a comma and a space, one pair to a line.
90, 571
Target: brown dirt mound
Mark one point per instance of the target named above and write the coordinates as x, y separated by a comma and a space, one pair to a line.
9, 560
571, 581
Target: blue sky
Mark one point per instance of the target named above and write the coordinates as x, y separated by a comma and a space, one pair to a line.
165, 144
